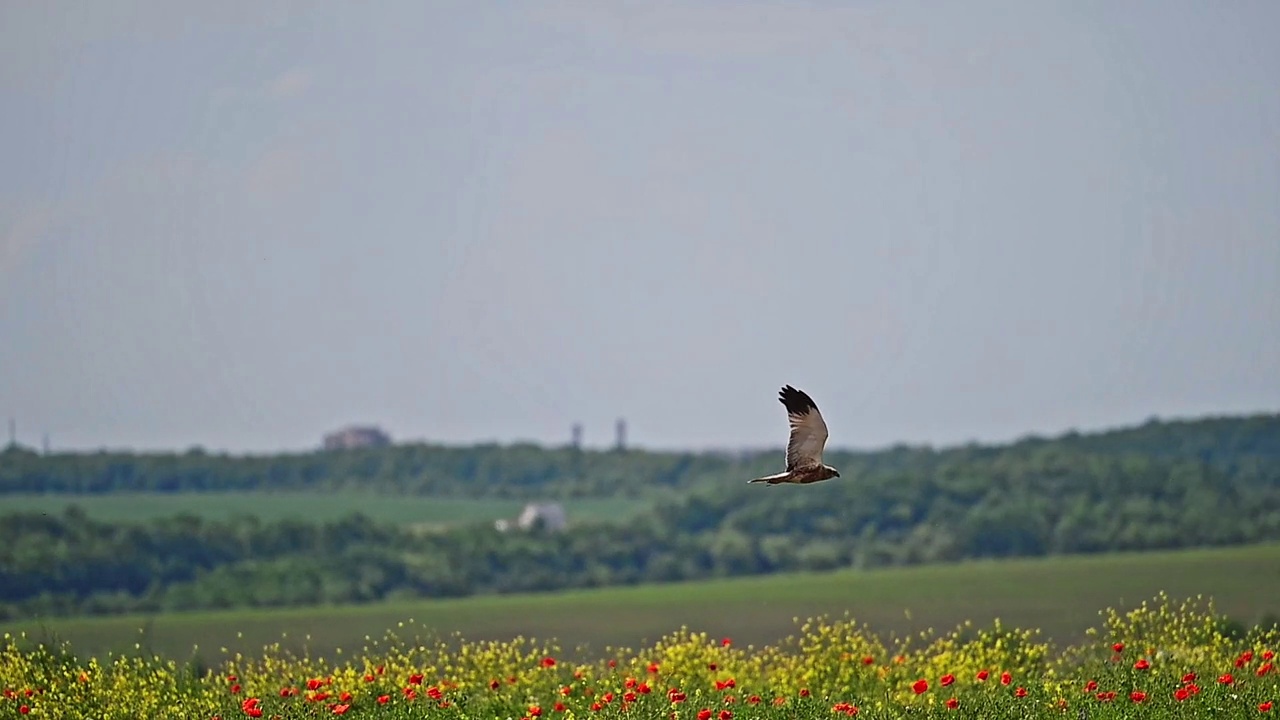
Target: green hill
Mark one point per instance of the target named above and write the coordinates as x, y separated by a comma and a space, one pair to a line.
1060, 596
655, 517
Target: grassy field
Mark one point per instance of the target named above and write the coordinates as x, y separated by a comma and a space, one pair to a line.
1060, 596
316, 506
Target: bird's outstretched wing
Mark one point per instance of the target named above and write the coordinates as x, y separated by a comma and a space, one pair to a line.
808, 429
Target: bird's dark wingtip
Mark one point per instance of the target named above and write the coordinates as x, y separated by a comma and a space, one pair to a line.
796, 401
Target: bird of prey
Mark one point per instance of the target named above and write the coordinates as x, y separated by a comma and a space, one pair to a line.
804, 447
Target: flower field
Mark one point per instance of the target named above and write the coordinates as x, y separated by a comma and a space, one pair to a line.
1161, 659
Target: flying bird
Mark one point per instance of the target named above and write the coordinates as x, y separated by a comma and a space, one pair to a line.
804, 447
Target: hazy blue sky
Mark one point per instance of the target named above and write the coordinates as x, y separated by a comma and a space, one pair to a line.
243, 224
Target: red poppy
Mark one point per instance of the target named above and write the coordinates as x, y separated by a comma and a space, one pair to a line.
629, 696
25, 710
558, 707
753, 700
868, 660
1137, 696
548, 662
596, 707
434, 693
1005, 678
982, 675
1267, 655
1091, 686
1020, 692
1264, 668
235, 689
1189, 677
845, 707
952, 703
1106, 696
725, 715
1264, 707
704, 714
804, 692
726, 642
368, 677
653, 668
947, 679
675, 696
712, 667
535, 711
1142, 664
920, 686
384, 699
1118, 647
1181, 694
1225, 679
494, 684
340, 708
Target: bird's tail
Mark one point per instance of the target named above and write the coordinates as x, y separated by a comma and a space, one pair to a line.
771, 479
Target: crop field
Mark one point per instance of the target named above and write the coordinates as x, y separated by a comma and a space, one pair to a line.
1059, 596
1163, 658
313, 506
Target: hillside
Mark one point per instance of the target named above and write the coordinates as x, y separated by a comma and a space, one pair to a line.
1175, 485
1059, 596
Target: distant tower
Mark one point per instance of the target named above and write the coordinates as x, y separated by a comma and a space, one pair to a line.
620, 435
577, 435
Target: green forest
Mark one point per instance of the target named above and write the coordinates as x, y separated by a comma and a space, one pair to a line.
1160, 485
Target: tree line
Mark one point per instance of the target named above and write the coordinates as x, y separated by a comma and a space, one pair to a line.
1157, 486
489, 470
525, 471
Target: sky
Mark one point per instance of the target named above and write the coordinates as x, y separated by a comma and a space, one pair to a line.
241, 225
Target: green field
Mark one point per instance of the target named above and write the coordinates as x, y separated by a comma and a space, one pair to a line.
314, 506
1060, 596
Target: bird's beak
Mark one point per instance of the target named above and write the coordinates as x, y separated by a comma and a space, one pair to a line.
837, 473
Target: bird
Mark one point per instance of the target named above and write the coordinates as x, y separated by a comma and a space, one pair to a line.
804, 447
